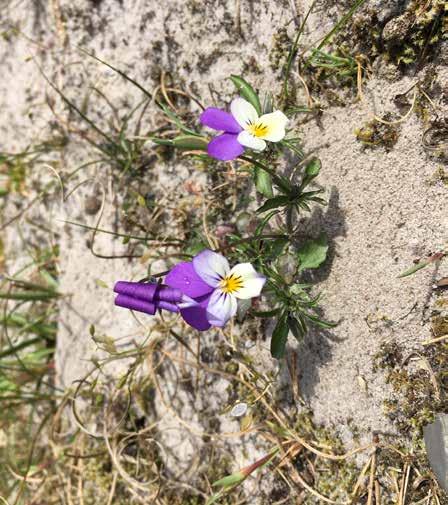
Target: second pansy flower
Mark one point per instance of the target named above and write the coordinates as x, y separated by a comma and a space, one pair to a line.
215, 286
205, 290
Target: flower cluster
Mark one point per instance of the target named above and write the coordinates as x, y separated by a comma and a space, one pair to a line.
205, 290
242, 128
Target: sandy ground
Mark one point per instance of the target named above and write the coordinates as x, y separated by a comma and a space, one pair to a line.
385, 209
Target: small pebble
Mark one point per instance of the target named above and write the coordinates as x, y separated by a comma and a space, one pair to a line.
92, 205
239, 410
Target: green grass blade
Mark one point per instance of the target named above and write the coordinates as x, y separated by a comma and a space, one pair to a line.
293, 52
23, 345
29, 296
337, 27
78, 111
120, 72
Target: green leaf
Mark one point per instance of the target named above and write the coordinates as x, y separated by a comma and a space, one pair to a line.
29, 296
319, 322
230, 480
263, 182
174, 117
415, 268
277, 247
190, 142
266, 219
313, 252
246, 91
279, 338
161, 142
297, 327
336, 28
313, 167
273, 203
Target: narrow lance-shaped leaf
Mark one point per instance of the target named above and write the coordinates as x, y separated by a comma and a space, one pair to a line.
313, 252
171, 115
190, 142
273, 203
161, 142
319, 322
29, 295
237, 477
279, 338
233, 480
277, 246
415, 268
297, 327
246, 91
422, 264
312, 170
230, 480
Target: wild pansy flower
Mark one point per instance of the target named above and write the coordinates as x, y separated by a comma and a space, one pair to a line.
205, 290
242, 128
216, 287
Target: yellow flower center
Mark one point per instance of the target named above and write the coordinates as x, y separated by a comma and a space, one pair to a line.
231, 284
257, 129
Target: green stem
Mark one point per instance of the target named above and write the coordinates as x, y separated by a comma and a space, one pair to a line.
276, 178
173, 242
19, 347
28, 296
260, 237
293, 52
289, 223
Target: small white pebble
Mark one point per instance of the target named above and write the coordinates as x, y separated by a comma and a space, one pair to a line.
239, 410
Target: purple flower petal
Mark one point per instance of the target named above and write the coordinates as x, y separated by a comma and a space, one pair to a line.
171, 307
197, 316
135, 304
183, 276
225, 147
210, 266
168, 294
221, 308
139, 290
148, 292
219, 120
186, 302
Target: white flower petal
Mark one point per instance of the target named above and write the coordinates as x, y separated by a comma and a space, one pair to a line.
221, 308
248, 140
243, 111
211, 267
253, 282
275, 123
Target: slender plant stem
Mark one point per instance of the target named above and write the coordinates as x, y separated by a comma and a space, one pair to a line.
276, 179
